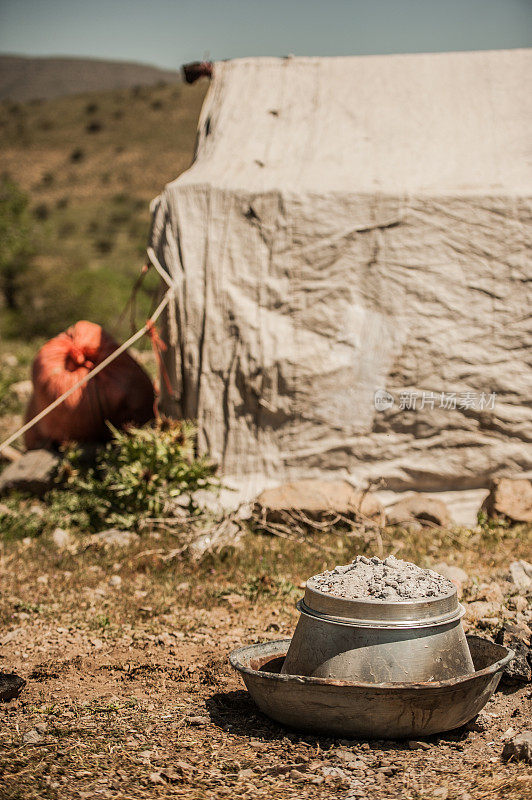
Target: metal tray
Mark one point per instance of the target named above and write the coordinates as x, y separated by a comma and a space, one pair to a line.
368, 710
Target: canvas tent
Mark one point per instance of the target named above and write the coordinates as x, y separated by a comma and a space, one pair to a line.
351, 225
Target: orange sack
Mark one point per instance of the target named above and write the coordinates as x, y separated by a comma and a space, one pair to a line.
121, 393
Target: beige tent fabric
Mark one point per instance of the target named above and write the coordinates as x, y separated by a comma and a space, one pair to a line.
351, 225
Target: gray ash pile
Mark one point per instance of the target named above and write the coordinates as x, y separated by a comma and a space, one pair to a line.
373, 579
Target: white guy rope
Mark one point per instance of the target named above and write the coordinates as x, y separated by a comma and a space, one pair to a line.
157, 264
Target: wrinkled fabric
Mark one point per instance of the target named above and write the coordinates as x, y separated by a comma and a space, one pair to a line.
352, 225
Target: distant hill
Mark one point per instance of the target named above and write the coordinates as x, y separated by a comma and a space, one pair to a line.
90, 163
25, 79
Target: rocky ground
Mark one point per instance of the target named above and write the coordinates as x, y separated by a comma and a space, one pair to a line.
129, 693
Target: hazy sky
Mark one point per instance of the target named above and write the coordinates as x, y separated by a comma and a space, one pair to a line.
170, 32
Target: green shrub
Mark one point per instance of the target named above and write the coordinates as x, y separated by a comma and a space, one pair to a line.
139, 474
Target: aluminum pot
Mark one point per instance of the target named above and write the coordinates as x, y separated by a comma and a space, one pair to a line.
376, 641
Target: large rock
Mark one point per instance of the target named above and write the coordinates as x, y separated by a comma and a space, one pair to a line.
510, 499
33, 473
317, 499
518, 638
421, 508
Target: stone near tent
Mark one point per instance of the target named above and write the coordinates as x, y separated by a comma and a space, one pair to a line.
420, 508
509, 498
518, 638
317, 499
34, 473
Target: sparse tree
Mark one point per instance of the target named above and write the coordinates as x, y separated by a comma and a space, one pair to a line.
15, 239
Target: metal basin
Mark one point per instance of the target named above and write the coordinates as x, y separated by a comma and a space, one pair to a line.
368, 710
375, 641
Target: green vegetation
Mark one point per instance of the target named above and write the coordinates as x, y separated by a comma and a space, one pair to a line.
139, 474
16, 238
89, 165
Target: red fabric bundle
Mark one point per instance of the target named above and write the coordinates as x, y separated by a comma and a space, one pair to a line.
121, 393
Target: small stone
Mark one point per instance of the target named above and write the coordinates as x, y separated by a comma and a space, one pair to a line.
479, 724
520, 604
343, 753
32, 737
296, 775
11, 685
420, 508
480, 609
246, 774
183, 768
318, 499
521, 575
10, 360
456, 575
41, 727
488, 623
155, 777
198, 720
114, 538
509, 498
519, 748
491, 592
62, 539
334, 772
22, 390
518, 638
418, 745
172, 775
115, 580
207, 500
33, 473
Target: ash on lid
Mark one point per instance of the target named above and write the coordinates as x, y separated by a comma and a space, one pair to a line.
391, 579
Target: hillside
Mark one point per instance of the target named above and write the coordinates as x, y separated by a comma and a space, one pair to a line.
90, 164
25, 79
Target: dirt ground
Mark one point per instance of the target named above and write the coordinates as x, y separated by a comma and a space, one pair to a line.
130, 695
